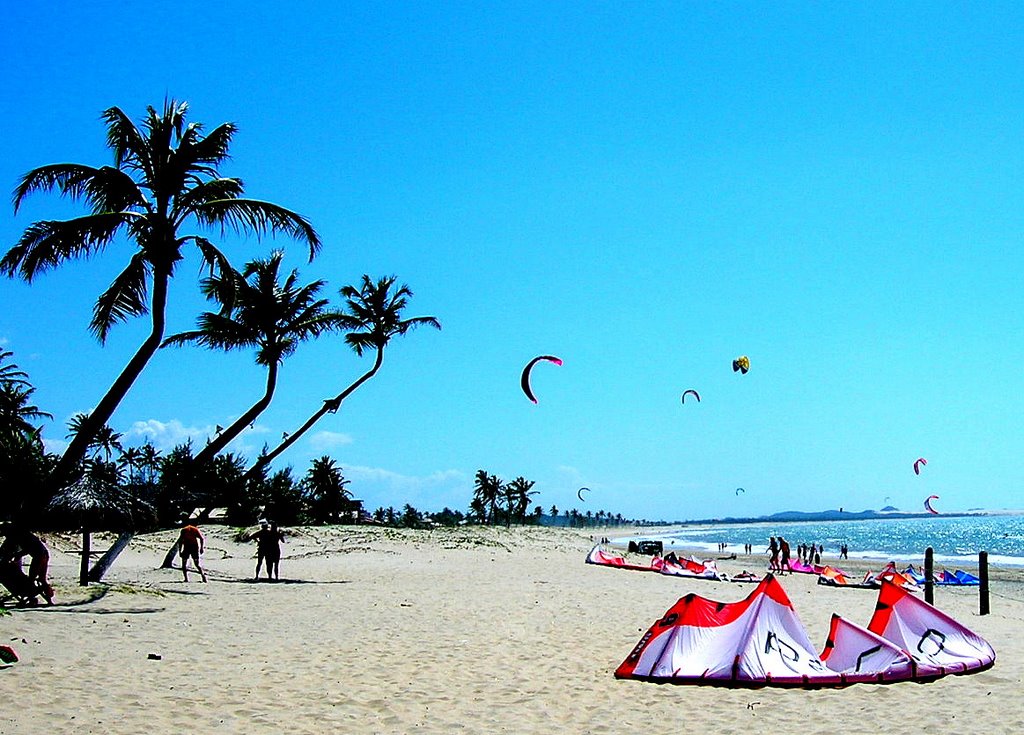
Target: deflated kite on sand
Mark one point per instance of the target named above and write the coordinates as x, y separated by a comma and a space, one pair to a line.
760, 642
671, 566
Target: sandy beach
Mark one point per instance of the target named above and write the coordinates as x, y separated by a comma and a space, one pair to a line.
474, 630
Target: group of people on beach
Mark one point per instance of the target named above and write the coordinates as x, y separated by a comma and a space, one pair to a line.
779, 554
810, 554
192, 544
26, 589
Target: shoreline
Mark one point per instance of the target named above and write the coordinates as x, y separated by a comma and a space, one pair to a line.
867, 539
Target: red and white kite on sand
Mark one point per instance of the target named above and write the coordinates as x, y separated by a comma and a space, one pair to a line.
760, 642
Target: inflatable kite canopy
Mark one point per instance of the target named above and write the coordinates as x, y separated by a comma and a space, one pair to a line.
694, 568
760, 642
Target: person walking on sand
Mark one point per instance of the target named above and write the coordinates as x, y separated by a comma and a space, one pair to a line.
191, 544
784, 553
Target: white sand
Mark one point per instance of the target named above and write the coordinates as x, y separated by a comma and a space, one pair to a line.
470, 630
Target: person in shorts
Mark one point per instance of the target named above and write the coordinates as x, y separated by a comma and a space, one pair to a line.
191, 545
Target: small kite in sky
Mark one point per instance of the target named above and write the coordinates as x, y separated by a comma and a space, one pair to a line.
928, 504
579, 493
525, 379
918, 464
691, 392
740, 490
741, 364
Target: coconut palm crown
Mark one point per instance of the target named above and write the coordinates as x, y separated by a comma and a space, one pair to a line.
372, 317
258, 310
164, 178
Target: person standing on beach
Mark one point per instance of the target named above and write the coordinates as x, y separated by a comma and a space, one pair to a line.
191, 544
262, 539
275, 539
784, 552
773, 558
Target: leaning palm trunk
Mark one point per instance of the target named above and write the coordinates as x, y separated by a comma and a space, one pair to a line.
225, 437
107, 560
64, 471
330, 405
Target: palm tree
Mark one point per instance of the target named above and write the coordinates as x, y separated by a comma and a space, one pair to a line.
165, 175
131, 459
521, 494
488, 489
23, 460
149, 461
105, 439
373, 313
258, 310
16, 412
326, 486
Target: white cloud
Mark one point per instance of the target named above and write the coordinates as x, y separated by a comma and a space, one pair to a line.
165, 435
55, 446
323, 441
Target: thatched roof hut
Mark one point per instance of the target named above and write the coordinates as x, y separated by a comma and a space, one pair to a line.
94, 504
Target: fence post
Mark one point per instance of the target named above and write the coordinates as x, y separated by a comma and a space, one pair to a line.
983, 581
929, 585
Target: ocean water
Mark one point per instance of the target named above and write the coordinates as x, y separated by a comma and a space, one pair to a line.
956, 541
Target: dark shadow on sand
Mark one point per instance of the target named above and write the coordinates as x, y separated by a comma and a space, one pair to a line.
75, 608
250, 580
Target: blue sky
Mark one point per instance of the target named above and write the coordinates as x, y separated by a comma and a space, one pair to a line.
645, 190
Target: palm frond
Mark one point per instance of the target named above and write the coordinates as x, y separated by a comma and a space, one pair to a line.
64, 176
113, 190
260, 218
213, 148
11, 373
205, 191
127, 142
215, 331
213, 258
126, 297
49, 243
107, 189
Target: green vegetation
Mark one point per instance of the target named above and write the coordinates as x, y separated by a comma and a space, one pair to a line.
160, 196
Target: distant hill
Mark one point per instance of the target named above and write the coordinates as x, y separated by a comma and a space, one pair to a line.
794, 516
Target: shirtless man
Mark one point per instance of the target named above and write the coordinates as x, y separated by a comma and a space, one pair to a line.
191, 544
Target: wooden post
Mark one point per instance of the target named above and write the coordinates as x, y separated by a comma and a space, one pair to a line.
983, 581
83, 570
929, 585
